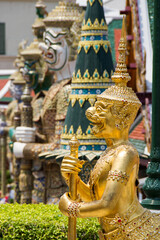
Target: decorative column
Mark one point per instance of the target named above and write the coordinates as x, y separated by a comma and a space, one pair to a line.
3, 152
25, 178
16, 161
152, 183
18, 85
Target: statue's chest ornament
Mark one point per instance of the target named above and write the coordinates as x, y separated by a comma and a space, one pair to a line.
102, 170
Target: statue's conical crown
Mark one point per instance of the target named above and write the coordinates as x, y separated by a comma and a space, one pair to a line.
33, 51
40, 4
64, 14
40, 10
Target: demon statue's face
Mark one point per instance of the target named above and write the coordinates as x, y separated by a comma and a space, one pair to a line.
34, 72
29, 72
101, 118
55, 49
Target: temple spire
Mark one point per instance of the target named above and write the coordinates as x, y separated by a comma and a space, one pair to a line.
92, 75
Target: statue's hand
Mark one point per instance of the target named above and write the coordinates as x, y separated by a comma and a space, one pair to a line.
71, 165
25, 134
18, 148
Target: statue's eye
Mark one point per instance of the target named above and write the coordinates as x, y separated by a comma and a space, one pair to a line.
47, 42
99, 109
59, 43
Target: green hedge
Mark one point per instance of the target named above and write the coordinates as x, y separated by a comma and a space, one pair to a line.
37, 222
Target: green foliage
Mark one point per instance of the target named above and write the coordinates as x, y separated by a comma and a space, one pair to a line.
41, 222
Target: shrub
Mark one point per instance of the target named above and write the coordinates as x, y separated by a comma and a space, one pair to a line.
41, 222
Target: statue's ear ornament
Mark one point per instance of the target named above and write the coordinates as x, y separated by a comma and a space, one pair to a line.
125, 101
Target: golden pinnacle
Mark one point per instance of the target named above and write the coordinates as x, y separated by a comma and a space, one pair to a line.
121, 76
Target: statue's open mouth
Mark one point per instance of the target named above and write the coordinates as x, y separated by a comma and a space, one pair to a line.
97, 127
50, 57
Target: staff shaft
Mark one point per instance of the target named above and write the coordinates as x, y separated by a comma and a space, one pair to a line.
74, 144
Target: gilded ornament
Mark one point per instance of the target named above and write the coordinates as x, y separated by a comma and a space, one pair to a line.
118, 176
73, 209
95, 44
82, 98
86, 78
90, 85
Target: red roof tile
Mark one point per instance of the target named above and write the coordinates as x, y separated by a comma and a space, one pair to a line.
117, 36
8, 95
2, 84
138, 132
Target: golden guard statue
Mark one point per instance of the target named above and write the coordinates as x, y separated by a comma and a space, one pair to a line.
111, 194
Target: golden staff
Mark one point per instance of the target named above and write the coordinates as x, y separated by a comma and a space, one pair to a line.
74, 144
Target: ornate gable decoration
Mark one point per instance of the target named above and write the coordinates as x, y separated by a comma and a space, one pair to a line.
87, 26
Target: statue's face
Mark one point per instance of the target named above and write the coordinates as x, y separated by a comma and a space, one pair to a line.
55, 50
30, 72
102, 119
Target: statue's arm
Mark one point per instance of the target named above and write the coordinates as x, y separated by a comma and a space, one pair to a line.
31, 150
107, 205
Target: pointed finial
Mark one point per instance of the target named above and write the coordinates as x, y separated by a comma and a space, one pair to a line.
74, 143
121, 76
40, 4
123, 32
